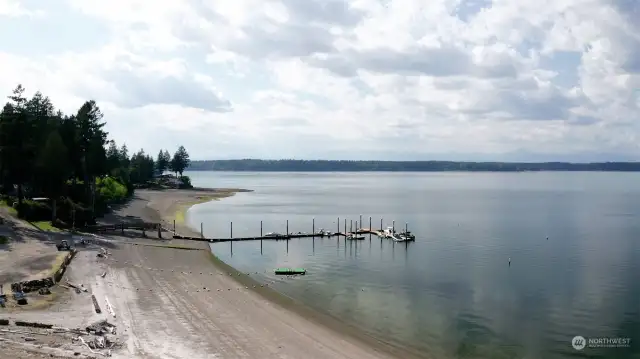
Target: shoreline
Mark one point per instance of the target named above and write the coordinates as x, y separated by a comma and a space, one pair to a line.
180, 208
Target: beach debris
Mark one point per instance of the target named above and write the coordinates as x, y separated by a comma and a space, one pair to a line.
103, 274
109, 307
101, 327
78, 288
44, 291
95, 304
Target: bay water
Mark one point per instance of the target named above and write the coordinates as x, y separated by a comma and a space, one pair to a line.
572, 239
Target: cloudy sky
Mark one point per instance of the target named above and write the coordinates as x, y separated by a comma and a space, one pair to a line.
359, 79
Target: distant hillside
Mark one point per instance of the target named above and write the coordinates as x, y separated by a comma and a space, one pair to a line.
402, 166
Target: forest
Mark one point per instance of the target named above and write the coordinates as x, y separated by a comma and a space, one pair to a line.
64, 168
402, 166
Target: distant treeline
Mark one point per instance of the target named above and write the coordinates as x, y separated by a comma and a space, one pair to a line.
402, 166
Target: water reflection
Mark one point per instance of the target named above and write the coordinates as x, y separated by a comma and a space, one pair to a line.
456, 297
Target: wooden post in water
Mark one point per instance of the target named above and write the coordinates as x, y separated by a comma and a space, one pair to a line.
313, 227
287, 232
231, 230
380, 224
370, 229
345, 226
351, 226
261, 229
393, 226
406, 227
174, 226
338, 225
360, 221
201, 231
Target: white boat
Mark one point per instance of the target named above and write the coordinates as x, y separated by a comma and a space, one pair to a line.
388, 232
355, 237
396, 237
323, 233
407, 235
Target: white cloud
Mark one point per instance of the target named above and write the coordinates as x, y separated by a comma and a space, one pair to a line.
341, 79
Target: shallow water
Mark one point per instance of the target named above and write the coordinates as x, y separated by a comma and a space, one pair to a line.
452, 293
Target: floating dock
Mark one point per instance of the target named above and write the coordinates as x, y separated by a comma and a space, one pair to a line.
290, 271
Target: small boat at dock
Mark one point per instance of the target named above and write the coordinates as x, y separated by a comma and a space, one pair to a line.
355, 237
324, 233
407, 236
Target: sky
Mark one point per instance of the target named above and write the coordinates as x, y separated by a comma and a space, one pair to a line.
515, 80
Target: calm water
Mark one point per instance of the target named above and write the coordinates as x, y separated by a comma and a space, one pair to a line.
452, 293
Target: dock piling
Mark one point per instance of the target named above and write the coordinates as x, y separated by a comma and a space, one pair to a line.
287, 233
313, 226
338, 225
393, 226
370, 229
345, 226
201, 230
260, 229
351, 225
174, 226
231, 230
360, 221
406, 227
380, 224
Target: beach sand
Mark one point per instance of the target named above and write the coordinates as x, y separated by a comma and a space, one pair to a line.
175, 303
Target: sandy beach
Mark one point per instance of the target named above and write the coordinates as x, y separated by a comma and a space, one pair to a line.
181, 303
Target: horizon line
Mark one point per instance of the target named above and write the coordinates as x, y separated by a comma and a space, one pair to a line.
414, 161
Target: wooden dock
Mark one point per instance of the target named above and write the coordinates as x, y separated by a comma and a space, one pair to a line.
152, 227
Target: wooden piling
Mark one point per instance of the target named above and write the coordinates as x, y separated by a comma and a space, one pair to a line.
313, 226
260, 237
370, 229
287, 233
360, 221
345, 226
338, 225
174, 226
351, 225
231, 230
393, 226
381, 225
202, 231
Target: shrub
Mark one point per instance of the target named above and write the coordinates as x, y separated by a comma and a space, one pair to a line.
185, 182
34, 211
111, 191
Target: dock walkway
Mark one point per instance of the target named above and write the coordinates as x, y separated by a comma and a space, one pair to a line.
145, 226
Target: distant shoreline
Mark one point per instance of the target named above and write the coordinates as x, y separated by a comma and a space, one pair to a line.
250, 165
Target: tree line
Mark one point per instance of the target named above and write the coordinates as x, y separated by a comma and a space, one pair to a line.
402, 166
69, 161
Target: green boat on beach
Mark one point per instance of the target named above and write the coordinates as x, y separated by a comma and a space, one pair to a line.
290, 271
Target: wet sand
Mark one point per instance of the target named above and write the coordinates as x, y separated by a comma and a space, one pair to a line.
174, 303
